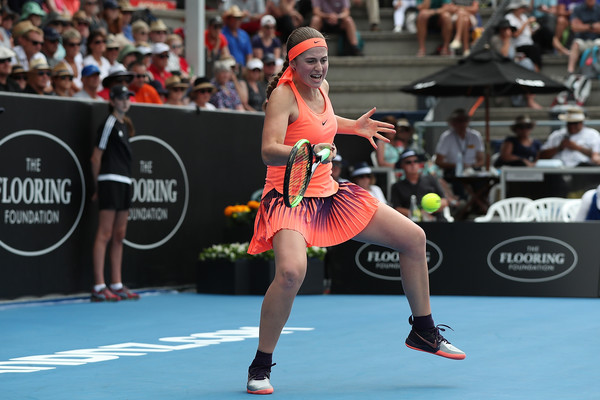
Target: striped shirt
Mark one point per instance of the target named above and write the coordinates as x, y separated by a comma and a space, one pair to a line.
113, 140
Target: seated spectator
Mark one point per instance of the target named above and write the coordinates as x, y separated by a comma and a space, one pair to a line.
177, 63
96, 45
418, 184
7, 84
522, 34
215, 44
144, 92
58, 22
401, 10
175, 91
362, 175
19, 75
388, 153
50, 46
265, 41
459, 145
589, 210
90, 79
226, 96
91, 9
38, 78
434, 14
158, 31
544, 12
238, 40
112, 50
269, 67
158, 65
251, 13
201, 93
72, 42
331, 16
502, 42
128, 55
562, 34
575, 145
585, 23
62, 79
465, 20
337, 169
520, 149
33, 12
140, 32
127, 11
253, 89
7, 19
286, 16
29, 40
81, 22
117, 75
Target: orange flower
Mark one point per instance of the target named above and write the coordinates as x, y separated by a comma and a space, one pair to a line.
229, 210
253, 204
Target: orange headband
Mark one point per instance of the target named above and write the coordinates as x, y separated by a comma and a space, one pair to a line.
296, 51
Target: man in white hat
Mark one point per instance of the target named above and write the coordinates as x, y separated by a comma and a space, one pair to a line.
575, 144
160, 59
7, 84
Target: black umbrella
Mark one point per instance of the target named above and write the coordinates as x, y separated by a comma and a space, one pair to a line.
484, 73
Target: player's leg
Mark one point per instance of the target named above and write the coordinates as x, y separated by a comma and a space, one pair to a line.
290, 269
391, 229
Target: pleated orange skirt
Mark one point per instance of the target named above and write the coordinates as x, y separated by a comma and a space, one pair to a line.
323, 221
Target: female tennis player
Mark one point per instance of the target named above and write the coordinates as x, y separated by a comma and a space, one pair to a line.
111, 169
330, 213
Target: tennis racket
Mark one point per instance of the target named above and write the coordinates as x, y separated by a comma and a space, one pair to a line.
300, 167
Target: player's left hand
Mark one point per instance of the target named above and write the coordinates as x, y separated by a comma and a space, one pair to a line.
370, 128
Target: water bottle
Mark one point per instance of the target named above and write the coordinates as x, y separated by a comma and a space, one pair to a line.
415, 211
458, 171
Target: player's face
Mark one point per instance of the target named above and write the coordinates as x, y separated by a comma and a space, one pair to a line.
311, 66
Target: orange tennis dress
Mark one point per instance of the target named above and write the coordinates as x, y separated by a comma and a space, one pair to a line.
330, 213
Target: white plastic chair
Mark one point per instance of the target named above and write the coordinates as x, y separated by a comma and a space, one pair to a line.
569, 209
546, 209
508, 210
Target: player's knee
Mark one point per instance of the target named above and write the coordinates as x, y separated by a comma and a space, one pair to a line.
291, 278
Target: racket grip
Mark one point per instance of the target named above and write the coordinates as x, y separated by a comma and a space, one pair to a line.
324, 154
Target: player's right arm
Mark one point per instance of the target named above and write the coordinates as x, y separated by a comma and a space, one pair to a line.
281, 111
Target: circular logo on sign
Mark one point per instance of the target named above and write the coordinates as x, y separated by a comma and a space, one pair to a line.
159, 193
532, 259
384, 263
42, 192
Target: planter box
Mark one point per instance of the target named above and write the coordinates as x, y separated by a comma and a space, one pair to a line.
251, 277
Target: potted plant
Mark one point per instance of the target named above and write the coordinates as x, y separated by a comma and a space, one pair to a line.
227, 268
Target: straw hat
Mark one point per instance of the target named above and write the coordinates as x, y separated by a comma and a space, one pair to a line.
574, 114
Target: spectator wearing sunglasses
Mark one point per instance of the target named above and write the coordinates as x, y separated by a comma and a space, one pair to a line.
253, 90
265, 41
117, 75
175, 91
29, 39
38, 78
81, 22
144, 92
7, 84
96, 45
201, 92
19, 76
62, 80
418, 184
362, 175
51, 45
177, 63
71, 39
158, 65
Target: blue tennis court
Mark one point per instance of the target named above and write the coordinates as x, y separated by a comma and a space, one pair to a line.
172, 345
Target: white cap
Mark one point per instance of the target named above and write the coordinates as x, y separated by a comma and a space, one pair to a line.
5, 52
159, 48
267, 20
254, 63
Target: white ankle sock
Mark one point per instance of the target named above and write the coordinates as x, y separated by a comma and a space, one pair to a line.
116, 286
99, 287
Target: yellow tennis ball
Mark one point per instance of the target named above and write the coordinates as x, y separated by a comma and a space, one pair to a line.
431, 202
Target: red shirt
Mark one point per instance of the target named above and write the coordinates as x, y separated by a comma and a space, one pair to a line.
160, 76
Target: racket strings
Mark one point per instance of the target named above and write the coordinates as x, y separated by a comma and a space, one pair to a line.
299, 172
